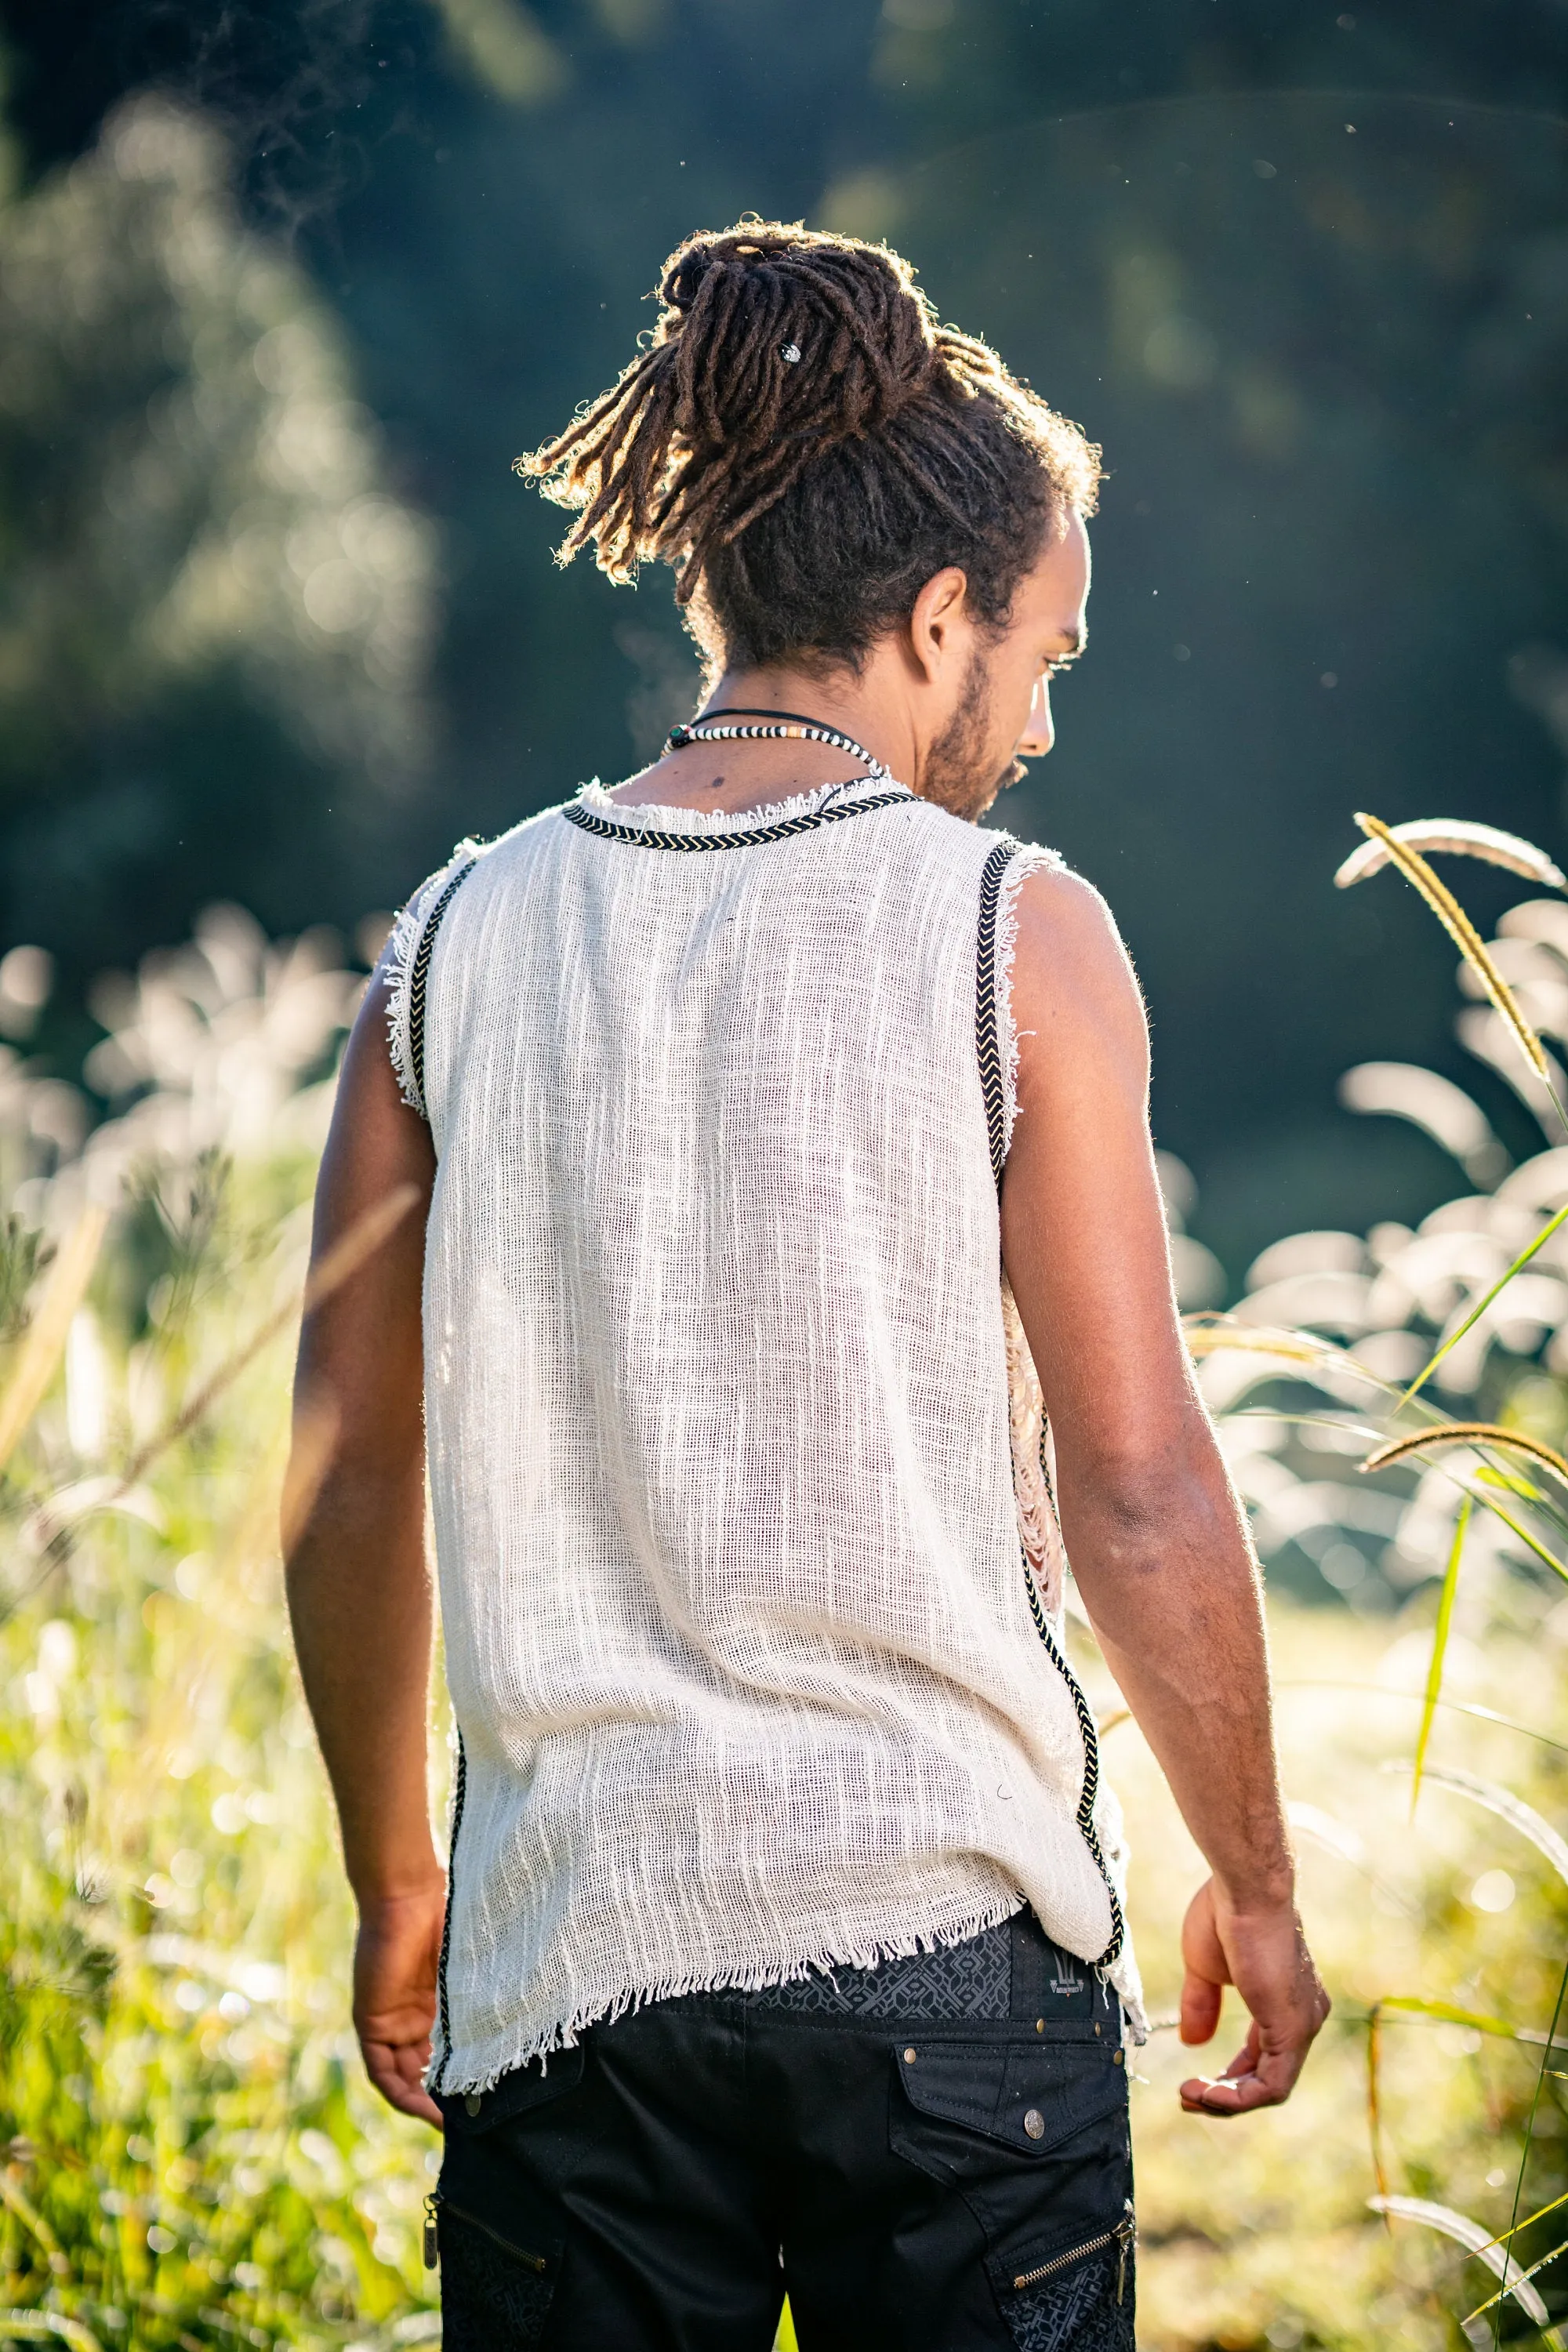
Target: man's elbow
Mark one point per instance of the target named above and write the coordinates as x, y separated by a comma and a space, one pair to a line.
1137, 1505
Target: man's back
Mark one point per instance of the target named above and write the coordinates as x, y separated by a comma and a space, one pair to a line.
719, 1415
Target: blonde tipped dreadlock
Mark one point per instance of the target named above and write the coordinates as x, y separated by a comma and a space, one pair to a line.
802, 438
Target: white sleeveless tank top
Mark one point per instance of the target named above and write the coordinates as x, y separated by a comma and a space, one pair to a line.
752, 1632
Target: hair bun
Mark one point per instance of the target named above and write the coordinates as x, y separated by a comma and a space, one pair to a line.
784, 329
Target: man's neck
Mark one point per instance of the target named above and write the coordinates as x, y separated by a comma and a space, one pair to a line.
741, 774
858, 704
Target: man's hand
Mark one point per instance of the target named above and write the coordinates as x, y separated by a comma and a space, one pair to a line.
397, 1958
1264, 1955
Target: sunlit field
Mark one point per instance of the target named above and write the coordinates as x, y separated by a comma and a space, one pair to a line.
193, 2157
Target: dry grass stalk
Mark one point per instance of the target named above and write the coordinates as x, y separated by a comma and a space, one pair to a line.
1374, 2102
1465, 936
46, 1336
1207, 1335
1468, 1432
342, 1261
315, 1436
1457, 837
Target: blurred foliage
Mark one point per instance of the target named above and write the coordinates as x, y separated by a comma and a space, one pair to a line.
198, 551
188, 2151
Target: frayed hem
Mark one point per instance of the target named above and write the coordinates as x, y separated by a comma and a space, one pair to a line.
565, 2034
1029, 860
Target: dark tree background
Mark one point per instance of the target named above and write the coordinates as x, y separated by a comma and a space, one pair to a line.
1304, 272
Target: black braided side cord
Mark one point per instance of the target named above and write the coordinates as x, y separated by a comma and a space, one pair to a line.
988, 1047
419, 976
458, 1792
1090, 1789
603, 830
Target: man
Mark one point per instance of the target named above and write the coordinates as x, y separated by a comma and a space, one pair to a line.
779, 1150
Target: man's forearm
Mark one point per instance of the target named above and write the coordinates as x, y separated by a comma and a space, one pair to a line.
1162, 1561
359, 1597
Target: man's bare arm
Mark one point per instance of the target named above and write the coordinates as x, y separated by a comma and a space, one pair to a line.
1157, 1539
358, 1584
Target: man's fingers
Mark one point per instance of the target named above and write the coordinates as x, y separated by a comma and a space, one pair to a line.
1232, 2095
395, 2069
1200, 2007
1225, 2094
1253, 2079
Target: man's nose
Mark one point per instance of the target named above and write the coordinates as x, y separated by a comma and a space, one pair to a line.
1040, 734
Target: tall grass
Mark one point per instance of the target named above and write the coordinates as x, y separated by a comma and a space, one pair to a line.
192, 2154
189, 2152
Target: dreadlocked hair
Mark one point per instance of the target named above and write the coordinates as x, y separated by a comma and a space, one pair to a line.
805, 444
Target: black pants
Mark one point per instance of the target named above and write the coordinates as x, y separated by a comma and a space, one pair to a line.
929, 2155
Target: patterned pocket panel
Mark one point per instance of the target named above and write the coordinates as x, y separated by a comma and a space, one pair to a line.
495, 2297
1086, 2308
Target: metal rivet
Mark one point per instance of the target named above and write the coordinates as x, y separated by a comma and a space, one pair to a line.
1097, 2033
1034, 2123
1039, 2025
473, 2102
909, 2057
1119, 2059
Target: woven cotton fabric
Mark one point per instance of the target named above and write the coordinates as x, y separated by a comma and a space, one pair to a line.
721, 1424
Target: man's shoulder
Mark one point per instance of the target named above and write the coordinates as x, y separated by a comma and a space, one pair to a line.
516, 846
522, 841
967, 842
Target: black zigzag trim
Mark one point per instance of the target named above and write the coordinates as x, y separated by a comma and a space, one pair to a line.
987, 1042
988, 1047
459, 1791
419, 978
603, 830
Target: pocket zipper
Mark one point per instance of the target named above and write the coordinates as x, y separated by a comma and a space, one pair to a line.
433, 2204
1123, 2236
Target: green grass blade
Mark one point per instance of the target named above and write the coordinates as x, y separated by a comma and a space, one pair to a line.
1549, 1559
1529, 2221
1474, 1316
1520, 2278
1530, 2128
1447, 2013
1440, 1645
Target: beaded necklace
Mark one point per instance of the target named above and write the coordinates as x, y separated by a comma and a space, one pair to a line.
783, 725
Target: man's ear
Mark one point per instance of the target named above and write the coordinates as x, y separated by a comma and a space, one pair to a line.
936, 621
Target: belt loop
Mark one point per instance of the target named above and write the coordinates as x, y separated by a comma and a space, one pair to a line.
1029, 1949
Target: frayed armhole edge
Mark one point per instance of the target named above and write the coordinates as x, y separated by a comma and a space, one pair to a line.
1026, 862
397, 969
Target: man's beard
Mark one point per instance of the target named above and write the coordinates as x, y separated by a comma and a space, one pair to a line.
958, 775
